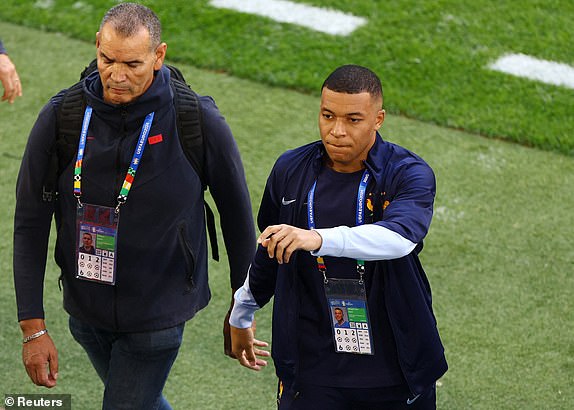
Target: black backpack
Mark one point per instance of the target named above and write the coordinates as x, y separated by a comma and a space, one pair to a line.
69, 119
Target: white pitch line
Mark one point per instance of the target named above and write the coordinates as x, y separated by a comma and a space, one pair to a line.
532, 68
319, 19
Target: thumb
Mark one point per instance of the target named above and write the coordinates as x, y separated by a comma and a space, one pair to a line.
53, 362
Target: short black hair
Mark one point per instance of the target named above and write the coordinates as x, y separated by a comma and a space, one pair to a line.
354, 79
128, 18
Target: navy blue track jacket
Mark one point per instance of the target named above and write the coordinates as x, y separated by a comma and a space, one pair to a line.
408, 184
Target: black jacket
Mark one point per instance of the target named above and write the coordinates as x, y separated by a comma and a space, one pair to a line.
161, 251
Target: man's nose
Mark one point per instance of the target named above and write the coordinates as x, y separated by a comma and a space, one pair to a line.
118, 73
338, 129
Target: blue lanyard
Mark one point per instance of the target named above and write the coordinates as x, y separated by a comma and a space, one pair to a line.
359, 218
361, 194
136, 158
80, 156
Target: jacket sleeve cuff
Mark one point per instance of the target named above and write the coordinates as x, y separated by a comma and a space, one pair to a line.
244, 308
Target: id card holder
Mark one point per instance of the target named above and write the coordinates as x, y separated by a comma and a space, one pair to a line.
347, 303
96, 239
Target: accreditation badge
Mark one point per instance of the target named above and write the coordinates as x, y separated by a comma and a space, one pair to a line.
96, 233
347, 303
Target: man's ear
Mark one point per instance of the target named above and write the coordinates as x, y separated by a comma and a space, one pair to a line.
160, 52
380, 119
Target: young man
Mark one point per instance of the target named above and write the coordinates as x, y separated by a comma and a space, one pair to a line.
128, 302
343, 220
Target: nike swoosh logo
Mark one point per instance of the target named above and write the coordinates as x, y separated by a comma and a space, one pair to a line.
411, 401
287, 201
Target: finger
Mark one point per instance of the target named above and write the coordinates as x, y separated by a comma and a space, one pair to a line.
42, 375
16, 90
250, 355
274, 240
53, 362
260, 343
289, 249
281, 250
11, 93
33, 363
268, 232
262, 353
246, 363
31, 374
274, 245
9, 88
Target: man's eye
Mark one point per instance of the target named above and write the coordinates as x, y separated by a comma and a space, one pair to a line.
327, 116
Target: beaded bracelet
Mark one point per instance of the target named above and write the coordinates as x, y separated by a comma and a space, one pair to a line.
34, 336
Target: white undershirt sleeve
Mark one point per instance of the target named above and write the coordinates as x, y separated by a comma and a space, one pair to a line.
366, 242
244, 308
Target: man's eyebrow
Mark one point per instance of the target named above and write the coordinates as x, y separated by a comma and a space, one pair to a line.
348, 114
105, 56
124, 62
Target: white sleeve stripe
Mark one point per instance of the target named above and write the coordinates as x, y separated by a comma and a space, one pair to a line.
367, 242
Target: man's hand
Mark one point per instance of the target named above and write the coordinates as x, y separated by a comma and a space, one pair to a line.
10, 80
282, 240
243, 348
39, 355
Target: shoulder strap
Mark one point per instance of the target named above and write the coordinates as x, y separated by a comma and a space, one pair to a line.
69, 116
189, 129
191, 138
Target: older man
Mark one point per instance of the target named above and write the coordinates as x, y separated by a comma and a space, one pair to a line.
129, 301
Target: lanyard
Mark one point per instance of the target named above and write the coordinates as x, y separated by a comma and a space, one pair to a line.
136, 158
359, 219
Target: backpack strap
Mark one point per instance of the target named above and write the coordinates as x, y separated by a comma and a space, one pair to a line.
191, 136
69, 117
189, 129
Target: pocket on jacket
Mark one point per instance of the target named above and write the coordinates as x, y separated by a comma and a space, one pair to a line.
187, 251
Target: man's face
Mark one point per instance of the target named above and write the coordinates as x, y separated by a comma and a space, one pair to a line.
87, 240
348, 124
338, 315
126, 64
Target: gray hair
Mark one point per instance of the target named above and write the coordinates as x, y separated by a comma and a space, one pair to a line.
128, 18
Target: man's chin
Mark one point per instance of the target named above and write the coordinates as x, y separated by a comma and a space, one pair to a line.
117, 98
